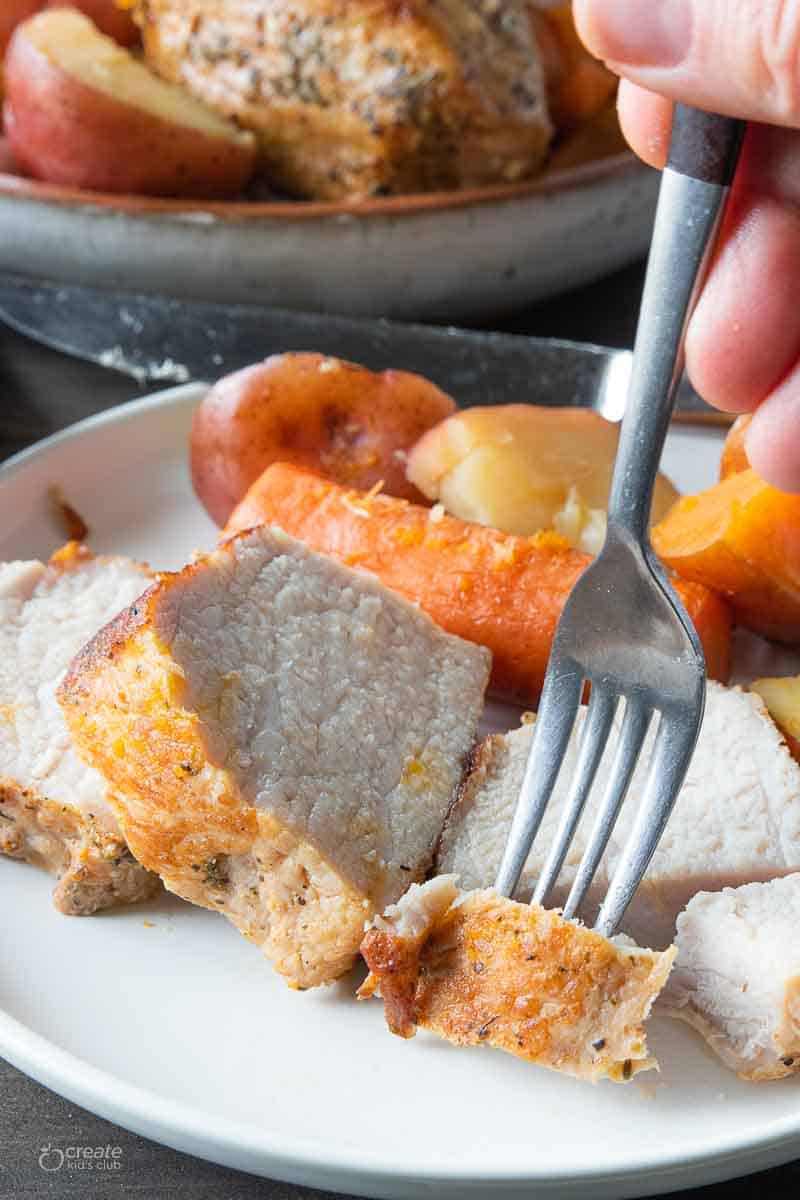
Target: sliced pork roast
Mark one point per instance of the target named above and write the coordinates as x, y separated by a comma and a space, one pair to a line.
54, 809
481, 970
737, 818
353, 100
737, 976
284, 736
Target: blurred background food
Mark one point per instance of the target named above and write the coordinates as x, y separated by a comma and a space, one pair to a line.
83, 112
345, 101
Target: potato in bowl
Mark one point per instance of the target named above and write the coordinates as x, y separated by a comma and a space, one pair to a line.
82, 111
111, 18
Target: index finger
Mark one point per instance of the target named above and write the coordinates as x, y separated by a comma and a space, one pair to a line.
646, 120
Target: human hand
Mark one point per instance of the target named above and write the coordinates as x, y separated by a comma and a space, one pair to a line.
740, 58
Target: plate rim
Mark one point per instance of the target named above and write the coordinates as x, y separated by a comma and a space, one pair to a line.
164, 398
140, 1109
614, 167
220, 1140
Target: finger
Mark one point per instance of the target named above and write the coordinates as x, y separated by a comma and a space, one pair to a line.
772, 442
744, 335
646, 120
740, 57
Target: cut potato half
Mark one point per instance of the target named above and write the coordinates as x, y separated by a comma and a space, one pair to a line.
522, 468
782, 698
111, 18
83, 112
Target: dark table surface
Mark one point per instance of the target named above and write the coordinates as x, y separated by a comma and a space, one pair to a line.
41, 392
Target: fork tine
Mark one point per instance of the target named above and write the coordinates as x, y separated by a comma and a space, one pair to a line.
634, 729
558, 708
670, 761
593, 742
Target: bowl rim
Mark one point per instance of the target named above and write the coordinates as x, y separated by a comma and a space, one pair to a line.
560, 180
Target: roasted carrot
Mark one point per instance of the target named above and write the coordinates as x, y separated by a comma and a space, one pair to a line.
578, 86
712, 618
500, 590
734, 453
741, 538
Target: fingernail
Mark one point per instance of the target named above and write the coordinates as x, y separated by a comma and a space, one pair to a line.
642, 33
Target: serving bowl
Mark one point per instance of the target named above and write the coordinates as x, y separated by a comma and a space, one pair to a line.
435, 256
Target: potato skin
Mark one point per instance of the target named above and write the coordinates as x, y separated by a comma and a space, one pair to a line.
734, 455
114, 22
333, 417
64, 131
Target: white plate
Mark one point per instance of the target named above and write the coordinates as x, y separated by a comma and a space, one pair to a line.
448, 255
179, 1030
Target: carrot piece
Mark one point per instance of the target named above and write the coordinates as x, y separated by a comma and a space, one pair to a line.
741, 538
711, 617
500, 590
579, 86
583, 94
734, 455
599, 136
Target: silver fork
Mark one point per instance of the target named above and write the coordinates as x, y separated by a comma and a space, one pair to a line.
623, 630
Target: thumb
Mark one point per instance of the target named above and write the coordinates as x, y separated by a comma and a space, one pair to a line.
738, 57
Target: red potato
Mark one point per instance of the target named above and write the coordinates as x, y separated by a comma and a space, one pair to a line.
83, 112
112, 20
333, 417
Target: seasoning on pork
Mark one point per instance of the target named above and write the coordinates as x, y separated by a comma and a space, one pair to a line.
355, 100
478, 969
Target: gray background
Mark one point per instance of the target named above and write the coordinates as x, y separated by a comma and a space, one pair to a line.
40, 392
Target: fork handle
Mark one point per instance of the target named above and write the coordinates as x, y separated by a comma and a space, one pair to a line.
704, 145
703, 154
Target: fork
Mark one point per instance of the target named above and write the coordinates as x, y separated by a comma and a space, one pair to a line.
623, 630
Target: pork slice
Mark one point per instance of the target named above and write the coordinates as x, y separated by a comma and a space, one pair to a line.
350, 100
736, 820
284, 736
479, 969
477, 826
54, 809
737, 975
